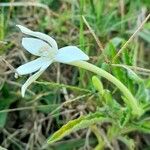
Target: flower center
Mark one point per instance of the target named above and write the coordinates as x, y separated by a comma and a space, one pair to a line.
52, 53
48, 52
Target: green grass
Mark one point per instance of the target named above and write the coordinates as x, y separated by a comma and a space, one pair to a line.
64, 93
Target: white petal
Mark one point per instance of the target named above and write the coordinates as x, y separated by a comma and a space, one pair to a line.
69, 54
40, 35
31, 66
33, 78
36, 46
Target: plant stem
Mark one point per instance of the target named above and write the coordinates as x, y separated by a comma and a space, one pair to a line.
97, 133
129, 98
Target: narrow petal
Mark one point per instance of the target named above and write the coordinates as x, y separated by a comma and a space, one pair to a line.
69, 54
33, 78
40, 35
31, 66
36, 46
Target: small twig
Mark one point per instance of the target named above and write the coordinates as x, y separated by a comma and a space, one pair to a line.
57, 114
133, 68
87, 145
37, 97
8, 64
53, 113
131, 38
16, 109
52, 84
24, 108
17, 84
95, 37
69, 101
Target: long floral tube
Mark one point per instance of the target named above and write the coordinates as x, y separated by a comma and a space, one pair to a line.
129, 98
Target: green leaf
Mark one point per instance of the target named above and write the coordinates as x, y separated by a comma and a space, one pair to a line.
5, 102
48, 108
3, 117
98, 84
111, 102
77, 124
124, 118
2, 26
142, 93
145, 34
71, 144
127, 57
131, 74
147, 83
108, 98
110, 51
113, 131
119, 74
143, 126
117, 41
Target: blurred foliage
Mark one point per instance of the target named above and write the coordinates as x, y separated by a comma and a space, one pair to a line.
78, 98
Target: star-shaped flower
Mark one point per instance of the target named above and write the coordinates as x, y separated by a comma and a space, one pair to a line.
44, 46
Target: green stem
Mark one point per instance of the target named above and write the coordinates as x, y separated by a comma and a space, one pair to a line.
129, 100
101, 143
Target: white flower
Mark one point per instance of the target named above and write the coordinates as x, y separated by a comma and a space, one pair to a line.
46, 48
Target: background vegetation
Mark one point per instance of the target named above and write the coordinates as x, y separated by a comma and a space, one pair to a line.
26, 123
